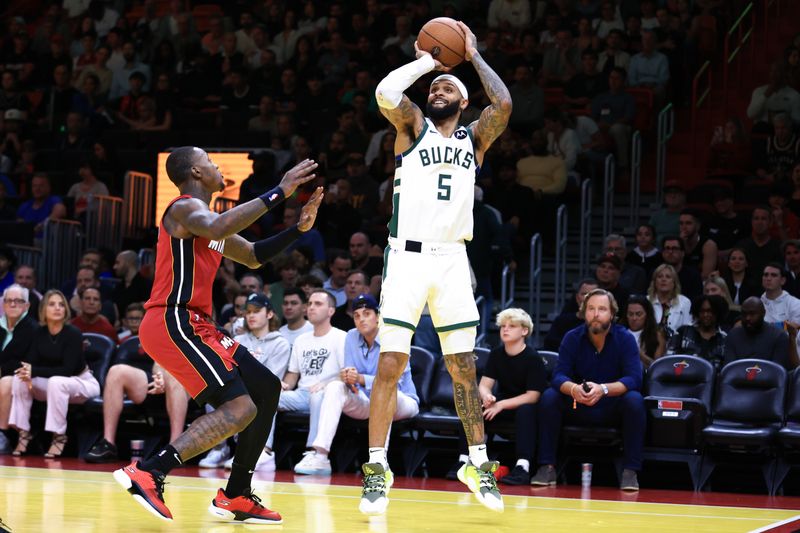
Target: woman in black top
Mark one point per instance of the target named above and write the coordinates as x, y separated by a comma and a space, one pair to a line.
55, 371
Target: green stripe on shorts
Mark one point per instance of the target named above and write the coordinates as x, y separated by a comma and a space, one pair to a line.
400, 323
453, 327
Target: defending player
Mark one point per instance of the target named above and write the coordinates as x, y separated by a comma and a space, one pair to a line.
426, 260
178, 333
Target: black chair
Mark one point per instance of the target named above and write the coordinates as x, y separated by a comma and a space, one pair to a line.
679, 390
423, 364
98, 351
550, 360
789, 435
748, 413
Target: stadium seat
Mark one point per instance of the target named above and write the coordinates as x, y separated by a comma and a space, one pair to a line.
550, 360
789, 435
679, 390
643, 121
748, 413
98, 351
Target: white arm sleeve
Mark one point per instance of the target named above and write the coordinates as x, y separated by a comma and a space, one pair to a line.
389, 91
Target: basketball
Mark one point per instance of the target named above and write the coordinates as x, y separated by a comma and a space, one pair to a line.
444, 40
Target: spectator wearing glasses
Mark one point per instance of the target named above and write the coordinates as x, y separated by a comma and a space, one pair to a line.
134, 314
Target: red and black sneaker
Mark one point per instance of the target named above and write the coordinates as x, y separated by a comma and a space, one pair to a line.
147, 488
246, 509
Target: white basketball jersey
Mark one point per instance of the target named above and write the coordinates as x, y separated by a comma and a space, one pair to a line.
434, 188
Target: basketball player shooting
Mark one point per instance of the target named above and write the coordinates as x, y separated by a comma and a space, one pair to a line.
426, 261
178, 333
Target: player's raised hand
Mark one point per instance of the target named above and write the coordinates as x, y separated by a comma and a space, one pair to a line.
470, 41
299, 174
439, 66
309, 213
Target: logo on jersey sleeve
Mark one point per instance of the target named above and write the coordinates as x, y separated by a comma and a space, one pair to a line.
217, 246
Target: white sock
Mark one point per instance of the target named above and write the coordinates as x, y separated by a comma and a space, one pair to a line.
524, 463
477, 454
378, 455
463, 458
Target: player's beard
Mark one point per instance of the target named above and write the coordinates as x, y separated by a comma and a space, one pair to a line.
442, 113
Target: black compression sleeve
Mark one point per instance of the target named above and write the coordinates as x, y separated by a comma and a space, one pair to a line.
266, 249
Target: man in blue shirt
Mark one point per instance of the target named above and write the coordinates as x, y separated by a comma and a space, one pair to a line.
595, 383
350, 395
650, 68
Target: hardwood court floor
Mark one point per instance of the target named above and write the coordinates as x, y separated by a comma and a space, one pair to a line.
60, 500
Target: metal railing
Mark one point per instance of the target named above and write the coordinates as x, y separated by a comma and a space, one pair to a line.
584, 240
137, 204
700, 91
62, 246
104, 223
636, 180
666, 127
739, 36
223, 204
535, 285
28, 255
609, 184
561, 257
508, 287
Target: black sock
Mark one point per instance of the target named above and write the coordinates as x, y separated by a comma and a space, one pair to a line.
239, 482
163, 461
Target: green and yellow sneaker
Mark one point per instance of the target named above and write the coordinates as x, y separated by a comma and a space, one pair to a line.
482, 483
375, 489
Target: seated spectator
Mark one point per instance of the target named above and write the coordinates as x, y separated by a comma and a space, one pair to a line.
543, 173
666, 220
585, 392
640, 320
608, 272
645, 254
738, 277
760, 248
672, 253
265, 120
148, 119
17, 328
705, 338
339, 265
671, 308
25, 275
42, 206
780, 306
568, 319
294, 306
650, 68
791, 58
54, 370
133, 287
700, 251
633, 277
85, 190
782, 150
561, 61
317, 359
716, 286
613, 56
562, 141
232, 318
773, 98
614, 112
86, 277
527, 114
785, 224
509, 15
286, 268
586, 38
726, 226
357, 284
311, 238
791, 255
99, 69
586, 84
120, 81
361, 255
350, 394
131, 320
755, 339
730, 149
132, 381
89, 320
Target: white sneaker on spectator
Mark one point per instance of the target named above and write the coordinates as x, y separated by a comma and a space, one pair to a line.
229, 464
5, 446
313, 464
215, 458
266, 461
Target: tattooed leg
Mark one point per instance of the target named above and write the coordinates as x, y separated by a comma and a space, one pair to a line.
461, 367
212, 428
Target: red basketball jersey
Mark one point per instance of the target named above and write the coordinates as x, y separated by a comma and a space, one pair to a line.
185, 270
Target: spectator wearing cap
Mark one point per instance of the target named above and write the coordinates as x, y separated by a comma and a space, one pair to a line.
755, 339
700, 251
666, 220
265, 343
785, 223
671, 308
357, 283
760, 248
350, 393
633, 277
42, 206
608, 273
779, 306
7, 262
725, 225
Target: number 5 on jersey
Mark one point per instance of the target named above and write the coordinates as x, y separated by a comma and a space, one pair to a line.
444, 187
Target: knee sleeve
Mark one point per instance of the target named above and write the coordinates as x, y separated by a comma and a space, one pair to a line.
458, 340
394, 338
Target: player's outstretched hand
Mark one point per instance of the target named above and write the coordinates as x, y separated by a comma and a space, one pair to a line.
420, 53
299, 174
309, 213
470, 41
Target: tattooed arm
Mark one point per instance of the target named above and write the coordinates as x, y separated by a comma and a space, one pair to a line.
494, 118
461, 367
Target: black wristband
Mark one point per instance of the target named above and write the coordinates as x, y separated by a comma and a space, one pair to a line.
266, 249
272, 198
